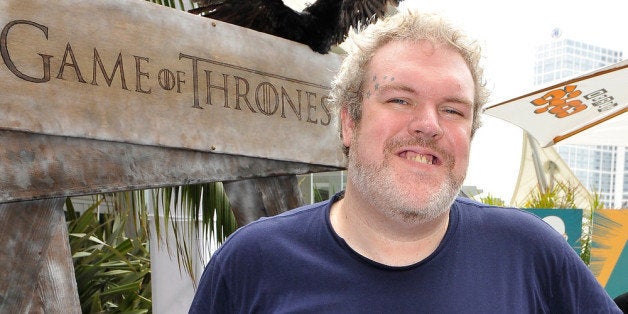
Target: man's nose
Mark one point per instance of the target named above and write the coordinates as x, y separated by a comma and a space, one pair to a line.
425, 123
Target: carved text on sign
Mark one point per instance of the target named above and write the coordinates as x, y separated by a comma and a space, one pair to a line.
210, 82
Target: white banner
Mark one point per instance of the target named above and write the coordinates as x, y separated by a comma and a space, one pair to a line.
560, 111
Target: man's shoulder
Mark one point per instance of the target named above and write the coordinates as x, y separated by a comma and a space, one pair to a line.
509, 220
292, 218
476, 209
291, 224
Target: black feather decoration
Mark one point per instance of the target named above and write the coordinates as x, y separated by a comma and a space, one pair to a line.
320, 25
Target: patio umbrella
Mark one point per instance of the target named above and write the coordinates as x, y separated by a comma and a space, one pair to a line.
563, 110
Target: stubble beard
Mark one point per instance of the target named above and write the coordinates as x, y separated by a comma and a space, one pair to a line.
376, 182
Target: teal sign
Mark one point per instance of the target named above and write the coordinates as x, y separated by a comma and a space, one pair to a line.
567, 222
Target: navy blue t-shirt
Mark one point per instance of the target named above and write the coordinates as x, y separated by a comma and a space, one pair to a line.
491, 260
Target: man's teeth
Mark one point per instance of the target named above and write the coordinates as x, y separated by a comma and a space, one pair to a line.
425, 159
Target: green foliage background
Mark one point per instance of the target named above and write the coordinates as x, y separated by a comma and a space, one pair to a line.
112, 270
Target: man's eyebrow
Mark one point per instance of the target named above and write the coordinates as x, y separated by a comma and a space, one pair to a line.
405, 88
460, 100
394, 87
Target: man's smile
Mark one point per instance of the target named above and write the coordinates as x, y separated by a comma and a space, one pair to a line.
421, 158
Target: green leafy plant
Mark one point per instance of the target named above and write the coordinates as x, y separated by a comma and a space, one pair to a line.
112, 270
205, 206
587, 226
560, 195
491, 200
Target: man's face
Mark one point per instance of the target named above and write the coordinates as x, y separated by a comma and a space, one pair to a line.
409, 153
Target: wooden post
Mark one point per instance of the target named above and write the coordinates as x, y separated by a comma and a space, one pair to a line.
254, 198
35, 258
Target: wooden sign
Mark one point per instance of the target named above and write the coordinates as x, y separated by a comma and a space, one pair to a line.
135, 72
116, 95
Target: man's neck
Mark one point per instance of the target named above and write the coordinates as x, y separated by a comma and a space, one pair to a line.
385, 240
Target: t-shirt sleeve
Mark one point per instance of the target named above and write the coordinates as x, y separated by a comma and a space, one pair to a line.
577, 290
211, 295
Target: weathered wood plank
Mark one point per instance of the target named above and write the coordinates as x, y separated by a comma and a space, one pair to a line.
261, 197
202, 84
37, 270
36, 166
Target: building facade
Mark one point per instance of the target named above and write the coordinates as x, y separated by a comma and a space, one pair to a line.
601, 169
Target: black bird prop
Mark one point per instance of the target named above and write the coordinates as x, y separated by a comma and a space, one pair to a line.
320, 25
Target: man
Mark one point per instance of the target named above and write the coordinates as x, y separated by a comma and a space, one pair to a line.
397, 240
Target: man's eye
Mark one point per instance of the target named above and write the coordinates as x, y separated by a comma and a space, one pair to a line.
454, 112
398, 101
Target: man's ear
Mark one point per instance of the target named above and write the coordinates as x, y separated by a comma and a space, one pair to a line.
348, 126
